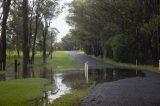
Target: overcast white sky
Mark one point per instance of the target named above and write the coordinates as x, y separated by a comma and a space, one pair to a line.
60, 22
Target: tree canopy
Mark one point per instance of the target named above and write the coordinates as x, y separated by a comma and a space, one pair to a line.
124, 30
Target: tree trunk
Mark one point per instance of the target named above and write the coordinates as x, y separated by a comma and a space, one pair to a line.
30, 33
35, 35
44, 41
6, 8
0, 54
25, 38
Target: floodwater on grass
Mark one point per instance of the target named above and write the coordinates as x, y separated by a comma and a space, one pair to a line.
75, 80
33, 72
66, 82
61, 88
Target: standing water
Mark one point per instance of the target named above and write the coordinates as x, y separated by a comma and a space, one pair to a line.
76, 80
62, 89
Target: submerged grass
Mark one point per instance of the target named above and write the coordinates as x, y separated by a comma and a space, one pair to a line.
12, 55
21, 92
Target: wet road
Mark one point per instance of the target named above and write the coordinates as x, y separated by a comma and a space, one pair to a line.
138, 91
91, 62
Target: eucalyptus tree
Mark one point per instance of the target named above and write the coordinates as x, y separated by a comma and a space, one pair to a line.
3, 45
25, 38
49, 11
15, 26
115, 27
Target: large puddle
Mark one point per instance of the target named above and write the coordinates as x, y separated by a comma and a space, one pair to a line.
61, 88
75, 80
64, 83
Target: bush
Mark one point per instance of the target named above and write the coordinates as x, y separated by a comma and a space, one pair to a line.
124, 48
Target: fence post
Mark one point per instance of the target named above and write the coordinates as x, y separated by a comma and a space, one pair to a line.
86, 71
136, 67
159, 64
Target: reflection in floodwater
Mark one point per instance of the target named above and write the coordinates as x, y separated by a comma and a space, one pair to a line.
62, 89
74, 80
108, 75
2, 77
38, 72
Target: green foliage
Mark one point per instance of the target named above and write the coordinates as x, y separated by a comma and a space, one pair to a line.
96, 22
21, 92
152, 26
124, 48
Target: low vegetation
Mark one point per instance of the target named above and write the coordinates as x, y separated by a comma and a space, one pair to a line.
71, 99
21, 92
62, 60
123, 65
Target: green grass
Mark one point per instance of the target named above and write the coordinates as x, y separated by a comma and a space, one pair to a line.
62, 60
127, 65
21, 92
71, 99
124, 65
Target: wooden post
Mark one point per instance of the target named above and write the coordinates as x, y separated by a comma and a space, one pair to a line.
136, 67
86, 71
159, 64
15, 65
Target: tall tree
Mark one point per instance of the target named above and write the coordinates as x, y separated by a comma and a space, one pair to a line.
25, 38
6, 8
108, 27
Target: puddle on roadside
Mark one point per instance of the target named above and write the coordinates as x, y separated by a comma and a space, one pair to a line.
61, 88
73, 80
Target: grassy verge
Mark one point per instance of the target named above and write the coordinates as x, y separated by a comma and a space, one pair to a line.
74, 98
125, 65
131, 66
62, 60
21, 92
71, 99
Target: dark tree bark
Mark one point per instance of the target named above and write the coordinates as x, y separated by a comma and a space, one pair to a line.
44, 41
17, 46
3, 45
25, 38
35, 34
155, 5
30, 31
0, 54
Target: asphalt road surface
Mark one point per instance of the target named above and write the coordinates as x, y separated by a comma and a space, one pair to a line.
91, 62
138, 91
